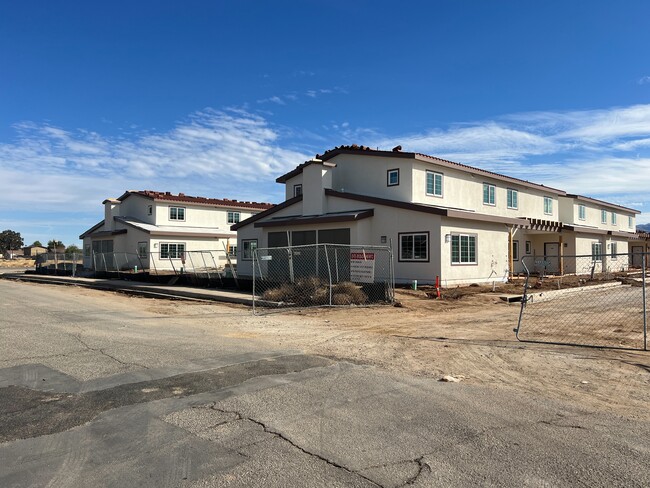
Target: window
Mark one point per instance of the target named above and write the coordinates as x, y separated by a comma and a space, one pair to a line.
149, 209
87, 250
613, 218
513, 198
582, 212
613, 248
414, 247
529, 247
630, 222
489, 194
232, 251
463, 249
548, 205
392, 177
233, 217
172, 251
434, 184
297, 190
515, 250
248, 248
603, 216
142, 249
103, 246
176, 213
596, 251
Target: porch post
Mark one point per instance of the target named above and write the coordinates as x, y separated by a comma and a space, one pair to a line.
561, 246
511, 264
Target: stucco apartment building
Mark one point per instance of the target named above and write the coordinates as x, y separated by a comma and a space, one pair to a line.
160, 227
442, 219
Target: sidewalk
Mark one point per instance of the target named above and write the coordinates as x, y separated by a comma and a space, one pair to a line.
152, 290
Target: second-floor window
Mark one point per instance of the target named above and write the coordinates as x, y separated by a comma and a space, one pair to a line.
630, 222
513, 198
489, 194
582, 212
434, 183
548, 205
392, 177
613, 218
149, 209
233, 217
603, 216
176, 213
297, 190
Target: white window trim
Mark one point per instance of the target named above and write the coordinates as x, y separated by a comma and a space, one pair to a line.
177, 253
426, 183
244, 256
603, 216
512, 191
548, 199
233, 220
297, 189
613, 250
614, 218
515, 247
582, 212
177, 209
494, 194
460, 262
600, 254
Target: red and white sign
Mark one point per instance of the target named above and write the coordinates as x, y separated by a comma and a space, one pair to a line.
362, 266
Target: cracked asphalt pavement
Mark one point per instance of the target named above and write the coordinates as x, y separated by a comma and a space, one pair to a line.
97, 391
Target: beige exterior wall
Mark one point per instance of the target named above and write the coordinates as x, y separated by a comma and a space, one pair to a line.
570, 214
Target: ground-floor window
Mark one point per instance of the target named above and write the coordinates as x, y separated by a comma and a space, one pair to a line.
414, 247
103, 246
232, 251
463, 249
529, 247
515, 250
142, 250
169, 250
596, 251
248, 248
614, 250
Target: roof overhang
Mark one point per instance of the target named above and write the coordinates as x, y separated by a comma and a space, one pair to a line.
603, 203
318, 219
107, 233
266, 213
299, 169
586, 230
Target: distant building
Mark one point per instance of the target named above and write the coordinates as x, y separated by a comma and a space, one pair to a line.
32, 251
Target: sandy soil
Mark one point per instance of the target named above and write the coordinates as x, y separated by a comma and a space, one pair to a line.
470, 338
16, 263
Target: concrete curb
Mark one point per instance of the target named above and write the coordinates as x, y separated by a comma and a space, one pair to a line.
147, 290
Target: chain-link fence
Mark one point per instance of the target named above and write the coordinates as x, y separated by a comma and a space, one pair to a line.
59, 263
201, 268
594, 300
322, 275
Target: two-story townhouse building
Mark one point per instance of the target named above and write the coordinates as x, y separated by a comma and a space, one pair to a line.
160, 228
443, 219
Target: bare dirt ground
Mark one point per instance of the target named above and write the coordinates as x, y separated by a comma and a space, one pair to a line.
469, 337
16, 263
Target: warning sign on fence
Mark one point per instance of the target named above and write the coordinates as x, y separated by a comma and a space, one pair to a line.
362, 266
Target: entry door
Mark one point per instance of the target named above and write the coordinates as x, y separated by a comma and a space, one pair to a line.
551, 257
637, 256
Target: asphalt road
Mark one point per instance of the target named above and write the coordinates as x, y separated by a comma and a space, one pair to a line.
102, 392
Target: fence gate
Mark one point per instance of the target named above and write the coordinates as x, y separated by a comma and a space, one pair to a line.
599, 300
322, 275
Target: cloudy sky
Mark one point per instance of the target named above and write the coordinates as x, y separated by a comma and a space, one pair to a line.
218, 98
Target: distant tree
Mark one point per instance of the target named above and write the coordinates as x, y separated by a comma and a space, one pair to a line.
72, 249
53, 244
10, 240
37, 243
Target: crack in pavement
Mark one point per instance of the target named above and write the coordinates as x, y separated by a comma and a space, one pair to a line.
268, 430
104, 353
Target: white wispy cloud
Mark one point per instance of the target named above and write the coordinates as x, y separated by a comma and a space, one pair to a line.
643, 80
224, 152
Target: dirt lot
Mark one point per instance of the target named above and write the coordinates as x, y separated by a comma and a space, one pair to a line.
16, 263
469, 337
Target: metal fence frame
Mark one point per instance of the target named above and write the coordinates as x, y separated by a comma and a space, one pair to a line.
333, 278
59, 262
527, 297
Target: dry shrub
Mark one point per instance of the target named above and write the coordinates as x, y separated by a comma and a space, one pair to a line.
284, 293
348, 289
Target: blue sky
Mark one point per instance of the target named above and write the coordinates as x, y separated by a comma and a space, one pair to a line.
218, 98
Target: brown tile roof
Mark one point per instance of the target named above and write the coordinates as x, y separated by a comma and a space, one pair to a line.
396, 152
181, 197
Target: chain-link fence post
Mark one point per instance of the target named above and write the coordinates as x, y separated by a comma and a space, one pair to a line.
645, 310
